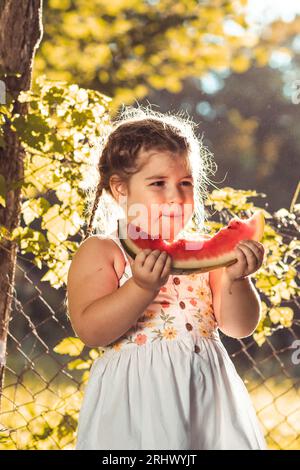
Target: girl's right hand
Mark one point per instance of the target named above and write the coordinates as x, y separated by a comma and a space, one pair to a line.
151, 269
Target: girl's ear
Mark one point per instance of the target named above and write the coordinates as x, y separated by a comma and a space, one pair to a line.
118, 187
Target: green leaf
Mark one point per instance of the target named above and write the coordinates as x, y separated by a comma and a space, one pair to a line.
34, 208
71, 346
79, 364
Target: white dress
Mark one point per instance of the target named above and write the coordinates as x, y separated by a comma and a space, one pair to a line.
168, 382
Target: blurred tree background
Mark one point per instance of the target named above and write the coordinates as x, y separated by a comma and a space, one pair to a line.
236, 79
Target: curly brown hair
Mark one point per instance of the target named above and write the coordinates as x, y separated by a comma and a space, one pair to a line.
142, 129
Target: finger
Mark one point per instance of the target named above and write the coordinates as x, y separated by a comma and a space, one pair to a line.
251, 258
141, 257
167, 267
259, 245
257, 250
160, 263
261, 248
151, 259
146, 251
253, 245
241, 257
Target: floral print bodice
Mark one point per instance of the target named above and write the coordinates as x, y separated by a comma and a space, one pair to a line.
182, 307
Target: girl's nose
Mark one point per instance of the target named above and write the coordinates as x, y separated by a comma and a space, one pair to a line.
175, 197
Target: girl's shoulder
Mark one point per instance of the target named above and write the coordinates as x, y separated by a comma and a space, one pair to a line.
113, 248
95, 248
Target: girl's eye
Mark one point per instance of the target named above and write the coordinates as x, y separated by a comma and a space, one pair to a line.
158, 182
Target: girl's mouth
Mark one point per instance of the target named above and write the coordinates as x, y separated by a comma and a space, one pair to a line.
172, 214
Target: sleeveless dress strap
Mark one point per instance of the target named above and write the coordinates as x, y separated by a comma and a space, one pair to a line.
128, 260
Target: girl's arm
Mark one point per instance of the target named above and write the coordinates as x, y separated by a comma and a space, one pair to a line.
100, 310
236, 302
109, 317
240, 307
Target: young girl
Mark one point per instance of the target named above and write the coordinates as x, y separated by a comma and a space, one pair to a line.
165, 380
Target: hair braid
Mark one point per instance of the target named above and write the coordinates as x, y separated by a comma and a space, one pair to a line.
93, 212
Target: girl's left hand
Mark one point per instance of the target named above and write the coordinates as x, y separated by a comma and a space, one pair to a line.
250, 256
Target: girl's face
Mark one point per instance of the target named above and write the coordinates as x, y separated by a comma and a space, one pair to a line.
159, 198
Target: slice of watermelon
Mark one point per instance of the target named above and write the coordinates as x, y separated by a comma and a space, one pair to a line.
201, 255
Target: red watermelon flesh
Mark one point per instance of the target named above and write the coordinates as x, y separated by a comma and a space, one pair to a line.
203, 254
